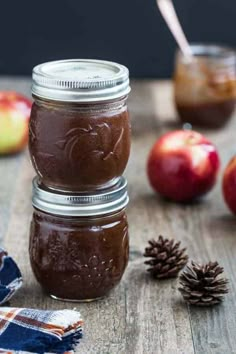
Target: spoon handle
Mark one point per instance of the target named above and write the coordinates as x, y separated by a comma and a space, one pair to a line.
168, 12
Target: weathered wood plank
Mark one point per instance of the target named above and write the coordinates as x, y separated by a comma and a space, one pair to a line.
16, 83
9, 166
216, 234
141, 315
206, 228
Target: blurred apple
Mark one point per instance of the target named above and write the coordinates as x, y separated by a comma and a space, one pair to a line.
183, 165
14, 119
229, 185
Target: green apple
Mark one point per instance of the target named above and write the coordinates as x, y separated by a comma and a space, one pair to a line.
14, 120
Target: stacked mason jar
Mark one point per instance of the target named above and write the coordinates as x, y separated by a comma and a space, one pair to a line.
79, 142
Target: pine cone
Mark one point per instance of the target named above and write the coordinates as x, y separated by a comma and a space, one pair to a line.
167, 259
201, 284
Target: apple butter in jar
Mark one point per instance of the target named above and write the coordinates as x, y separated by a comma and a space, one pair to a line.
79, 244
205, 87
79, 135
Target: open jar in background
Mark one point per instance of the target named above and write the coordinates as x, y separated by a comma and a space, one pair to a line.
79, 244
205, 87
79, 134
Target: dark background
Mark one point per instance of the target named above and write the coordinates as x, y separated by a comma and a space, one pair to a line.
131, 32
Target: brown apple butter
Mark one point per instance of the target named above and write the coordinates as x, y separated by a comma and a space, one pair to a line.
79, 134
79, 245
79, 148
211, 115
205, 87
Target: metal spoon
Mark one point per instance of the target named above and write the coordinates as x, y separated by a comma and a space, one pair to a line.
168, 12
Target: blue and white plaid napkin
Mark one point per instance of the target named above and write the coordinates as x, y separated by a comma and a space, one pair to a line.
10, 277
33, 331
37, 331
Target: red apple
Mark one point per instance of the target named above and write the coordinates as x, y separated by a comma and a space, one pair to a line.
229, 185
14, 118
183, 165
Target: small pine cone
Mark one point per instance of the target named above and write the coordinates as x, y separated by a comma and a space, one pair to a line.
167, 259
201, 285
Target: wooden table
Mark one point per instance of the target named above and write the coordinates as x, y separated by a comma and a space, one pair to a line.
141, 315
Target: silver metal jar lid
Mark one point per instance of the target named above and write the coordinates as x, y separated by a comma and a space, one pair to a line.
80, 80
84, 204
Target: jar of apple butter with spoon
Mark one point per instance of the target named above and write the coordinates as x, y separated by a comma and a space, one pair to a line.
205, 86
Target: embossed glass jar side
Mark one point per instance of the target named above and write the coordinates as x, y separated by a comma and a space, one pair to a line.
78, 258
79, 147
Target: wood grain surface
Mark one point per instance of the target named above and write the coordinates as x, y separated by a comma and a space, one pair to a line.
141, 316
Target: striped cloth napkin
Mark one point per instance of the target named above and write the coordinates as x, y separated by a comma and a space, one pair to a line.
10, 277
37, 331
29, 330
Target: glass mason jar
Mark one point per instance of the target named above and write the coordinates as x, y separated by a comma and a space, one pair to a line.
79, 245
205, 87
79, 134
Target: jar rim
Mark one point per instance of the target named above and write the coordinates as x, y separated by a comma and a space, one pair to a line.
80, 80
211, 51
101, 202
